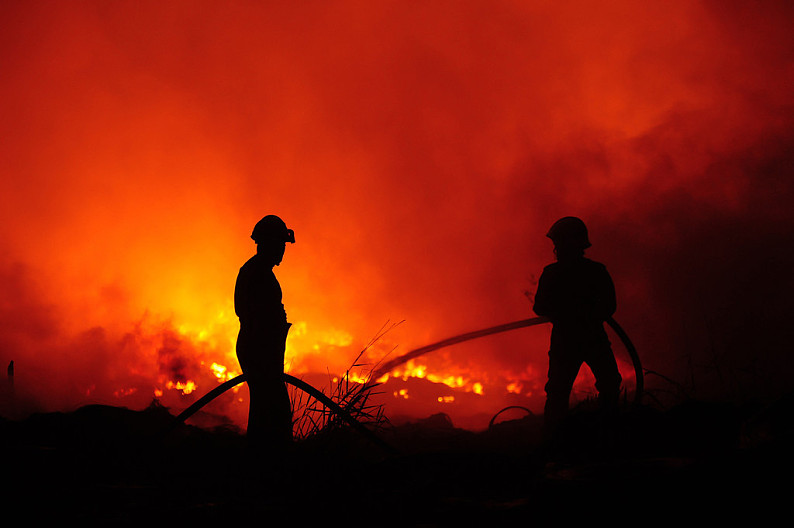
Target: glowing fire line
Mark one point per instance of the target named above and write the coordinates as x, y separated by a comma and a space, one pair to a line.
423, 350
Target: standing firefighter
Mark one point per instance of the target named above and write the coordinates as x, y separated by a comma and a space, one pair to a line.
577, 295
262, 337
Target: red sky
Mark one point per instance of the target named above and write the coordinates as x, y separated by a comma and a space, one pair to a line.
420, 151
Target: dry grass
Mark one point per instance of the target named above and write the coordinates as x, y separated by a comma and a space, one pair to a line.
351, 391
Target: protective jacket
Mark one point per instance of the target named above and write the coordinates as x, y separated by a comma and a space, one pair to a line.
263, 321
577, 295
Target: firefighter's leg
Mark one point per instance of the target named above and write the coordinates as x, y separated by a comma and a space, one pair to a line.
563, 368
257, 409
608, 379
271, 415
282, 414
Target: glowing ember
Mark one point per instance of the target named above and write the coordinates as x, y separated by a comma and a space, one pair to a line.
123, 393
184, 387
411, 369
515, 387
223, 373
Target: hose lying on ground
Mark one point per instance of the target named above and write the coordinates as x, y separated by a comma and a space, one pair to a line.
292, 380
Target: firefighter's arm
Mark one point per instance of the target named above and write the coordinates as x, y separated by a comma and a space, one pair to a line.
543, 299
241, 304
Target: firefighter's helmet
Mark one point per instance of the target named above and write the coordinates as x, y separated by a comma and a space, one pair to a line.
272, 228
569, 230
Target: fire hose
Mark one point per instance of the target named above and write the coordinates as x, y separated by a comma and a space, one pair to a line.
632, 351
391, 365
292, 380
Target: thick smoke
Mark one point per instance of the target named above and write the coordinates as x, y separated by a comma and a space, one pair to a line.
420, 152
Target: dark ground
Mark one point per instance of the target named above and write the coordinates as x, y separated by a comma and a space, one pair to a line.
697, 462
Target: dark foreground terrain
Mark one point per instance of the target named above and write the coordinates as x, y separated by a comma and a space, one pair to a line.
697, 462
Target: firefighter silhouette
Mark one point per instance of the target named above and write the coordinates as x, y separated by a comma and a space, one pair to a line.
263, 334
577, 294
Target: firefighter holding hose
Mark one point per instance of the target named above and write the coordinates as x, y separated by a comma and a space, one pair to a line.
262, 337
577, 294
